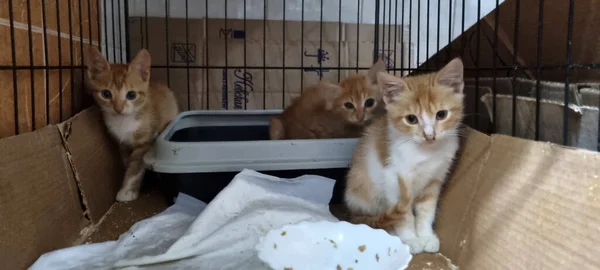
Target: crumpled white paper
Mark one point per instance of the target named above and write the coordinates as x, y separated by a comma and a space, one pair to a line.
193, 235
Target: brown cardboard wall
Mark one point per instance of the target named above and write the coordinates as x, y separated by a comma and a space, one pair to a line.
59, 83
517, 204
40, 208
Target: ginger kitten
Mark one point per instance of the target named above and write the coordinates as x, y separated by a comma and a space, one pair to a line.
328, 110
134, 110
401, 162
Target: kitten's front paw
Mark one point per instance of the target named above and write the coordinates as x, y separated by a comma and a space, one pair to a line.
414, 244
430, 243
126, 195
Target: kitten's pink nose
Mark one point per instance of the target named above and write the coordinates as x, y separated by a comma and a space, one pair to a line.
429, 137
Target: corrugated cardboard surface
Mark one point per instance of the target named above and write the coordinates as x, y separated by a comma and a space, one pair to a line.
40, 208
268, 62
518, 204
52, 182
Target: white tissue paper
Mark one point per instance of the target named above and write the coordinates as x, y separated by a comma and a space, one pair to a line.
220, 235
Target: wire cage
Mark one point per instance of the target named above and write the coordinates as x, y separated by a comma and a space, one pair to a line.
527, 71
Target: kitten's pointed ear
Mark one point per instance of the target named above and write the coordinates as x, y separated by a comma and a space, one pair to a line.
379, 66
95, 62
391, 86
140, 65
452, 75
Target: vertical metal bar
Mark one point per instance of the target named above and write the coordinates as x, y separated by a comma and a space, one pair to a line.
167, 42
46, 70
31, 63
146, 24
120, 32
462, 25
568, 72
105, 27
382, 33
89, 12
79, 100
207, 56
245, 59
60, 84
418, 31
427, 33
477, 66
320, 42
264, 54
409, 35
14, 66
99, 29
339, 39
539, 69
283, 60
389, 34
402, 42
449, 29
188, 55
302, 48
225, 70
114, 35
358, 9
515, 67
396, 35
71, 57
494, 63
127, 34
439, 16
376, 38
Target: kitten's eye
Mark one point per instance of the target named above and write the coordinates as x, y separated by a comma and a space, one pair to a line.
349, 105
369, 102
411, 119
131, 95
441, 115
106, 94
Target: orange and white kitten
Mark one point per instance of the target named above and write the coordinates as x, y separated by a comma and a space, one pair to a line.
134, 109
328, 110
401, 162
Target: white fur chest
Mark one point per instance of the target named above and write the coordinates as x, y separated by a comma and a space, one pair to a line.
122, 127
416, 164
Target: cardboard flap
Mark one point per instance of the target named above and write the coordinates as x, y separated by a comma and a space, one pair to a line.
39, 208
97, 165
532, 205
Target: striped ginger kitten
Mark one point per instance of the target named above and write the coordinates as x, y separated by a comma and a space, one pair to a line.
401, 162
134, 110
328, 110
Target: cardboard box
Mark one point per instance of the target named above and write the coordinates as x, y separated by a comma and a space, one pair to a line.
255, 64
509, 203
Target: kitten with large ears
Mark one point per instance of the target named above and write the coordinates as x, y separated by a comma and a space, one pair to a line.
328, 110
134, 110
401, 162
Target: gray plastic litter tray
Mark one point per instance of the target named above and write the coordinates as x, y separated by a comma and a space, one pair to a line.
200, 152
221, 141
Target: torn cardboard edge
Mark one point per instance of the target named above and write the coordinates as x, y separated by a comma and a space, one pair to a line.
64, 129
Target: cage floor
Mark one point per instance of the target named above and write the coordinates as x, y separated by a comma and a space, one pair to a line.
152, 202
